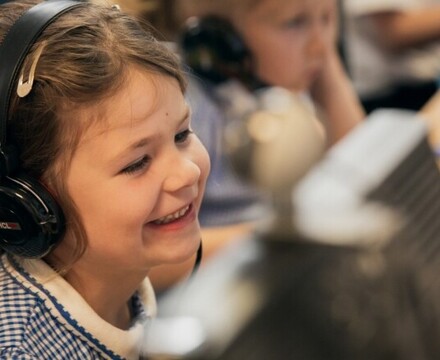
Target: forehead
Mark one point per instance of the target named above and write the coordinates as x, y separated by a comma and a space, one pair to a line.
140, 95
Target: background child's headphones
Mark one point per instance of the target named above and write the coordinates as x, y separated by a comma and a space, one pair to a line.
214, 50
31, 221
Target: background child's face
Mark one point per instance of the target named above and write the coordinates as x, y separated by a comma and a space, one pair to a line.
289, 39
138, 179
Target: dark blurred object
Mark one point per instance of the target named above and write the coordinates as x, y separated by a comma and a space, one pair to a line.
214, 50
406, 96
366, 288
157, 15
162, 18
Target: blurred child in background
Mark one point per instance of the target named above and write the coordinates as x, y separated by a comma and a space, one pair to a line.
291, 44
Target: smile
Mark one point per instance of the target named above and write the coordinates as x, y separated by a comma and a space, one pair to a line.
172, 217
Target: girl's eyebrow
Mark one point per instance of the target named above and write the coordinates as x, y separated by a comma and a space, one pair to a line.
140, 143
144, 141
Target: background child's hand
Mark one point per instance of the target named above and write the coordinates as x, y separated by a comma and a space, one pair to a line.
335, 97
431, 115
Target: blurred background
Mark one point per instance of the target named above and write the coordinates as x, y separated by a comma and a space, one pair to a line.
320, 221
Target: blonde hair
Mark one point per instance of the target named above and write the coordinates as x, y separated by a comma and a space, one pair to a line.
85, 58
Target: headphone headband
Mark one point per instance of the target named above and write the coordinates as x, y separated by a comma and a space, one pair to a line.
14, 49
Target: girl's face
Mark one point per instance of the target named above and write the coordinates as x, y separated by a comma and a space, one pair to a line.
288, 39
138, 177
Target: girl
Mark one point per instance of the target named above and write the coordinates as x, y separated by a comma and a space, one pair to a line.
106, 129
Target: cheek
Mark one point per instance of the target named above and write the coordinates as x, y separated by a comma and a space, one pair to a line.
110, 209
200, 158
281, 68
278, 61
203, 162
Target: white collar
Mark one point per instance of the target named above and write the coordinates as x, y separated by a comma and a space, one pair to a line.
126, 343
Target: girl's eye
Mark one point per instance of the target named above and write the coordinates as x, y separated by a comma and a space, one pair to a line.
137, 166
327, 18
296, 22
182, 136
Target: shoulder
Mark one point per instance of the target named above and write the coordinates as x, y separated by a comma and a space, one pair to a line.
21, 311
34, 320
31, 328
15, 298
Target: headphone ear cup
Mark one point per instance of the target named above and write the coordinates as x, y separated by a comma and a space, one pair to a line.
213, 49
31, 221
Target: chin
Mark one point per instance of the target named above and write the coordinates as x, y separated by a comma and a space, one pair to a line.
183, 253
295, 88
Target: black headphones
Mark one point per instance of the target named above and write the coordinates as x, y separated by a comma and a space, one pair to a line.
31, 221
214, 50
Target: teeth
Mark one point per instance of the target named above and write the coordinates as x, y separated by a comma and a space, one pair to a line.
167, 219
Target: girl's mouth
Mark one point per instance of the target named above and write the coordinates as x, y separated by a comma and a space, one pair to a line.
172, 217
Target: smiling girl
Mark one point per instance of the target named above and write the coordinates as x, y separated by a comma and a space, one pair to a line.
106, 129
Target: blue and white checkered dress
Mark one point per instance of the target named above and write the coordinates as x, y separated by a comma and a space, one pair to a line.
43, 317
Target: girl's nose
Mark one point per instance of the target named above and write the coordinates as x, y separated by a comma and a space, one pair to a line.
180, 174
317, 42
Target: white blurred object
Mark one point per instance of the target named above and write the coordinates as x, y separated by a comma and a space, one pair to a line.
276, 139
273, 139
179, 335
197, 316
332, 203
288, 139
